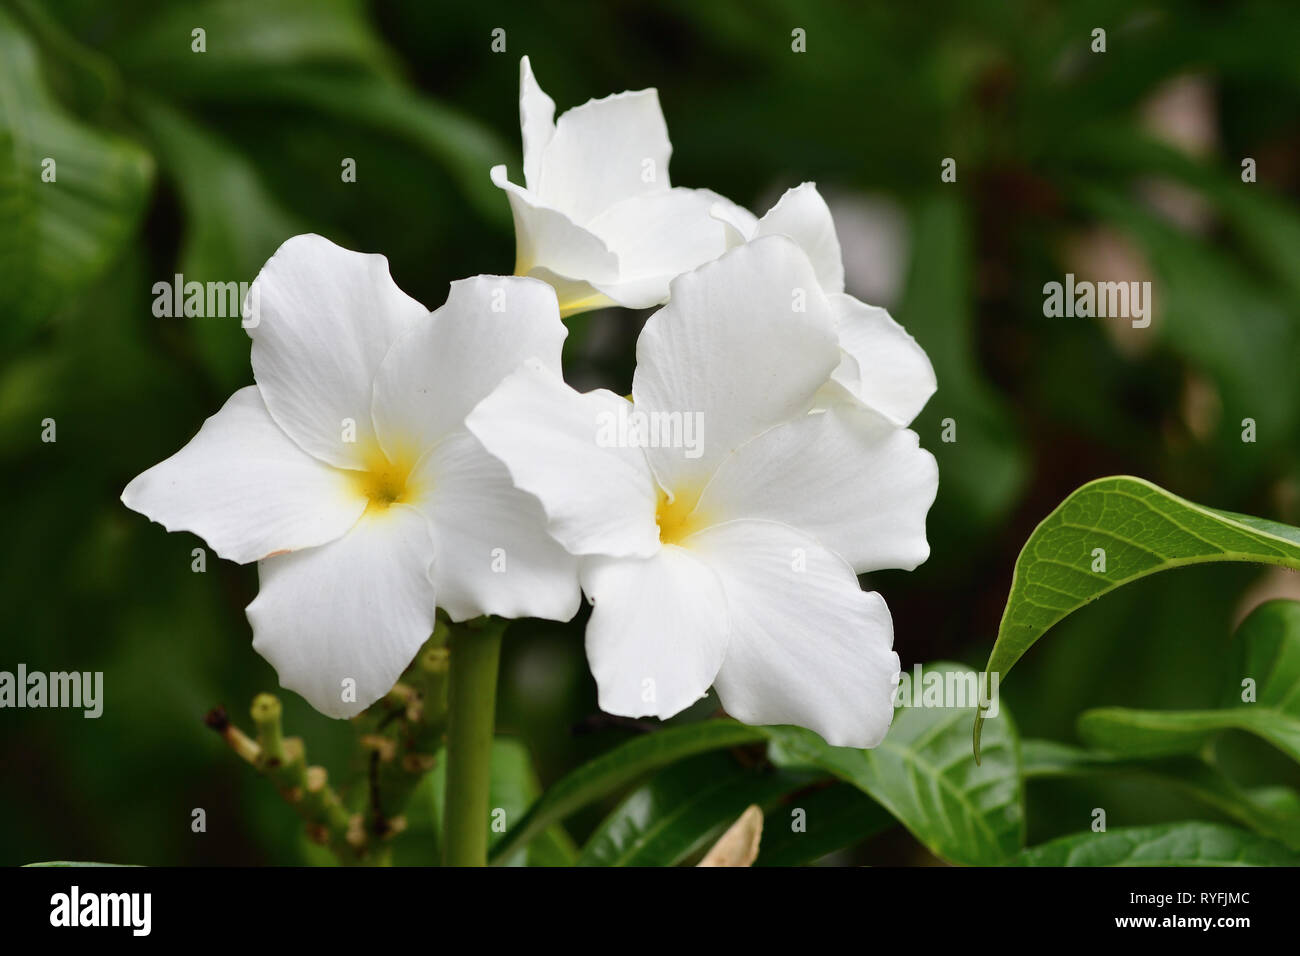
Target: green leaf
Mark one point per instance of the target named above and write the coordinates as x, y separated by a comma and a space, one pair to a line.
1164, 844
1270, 813
514, 788
1142, 529
682, 810
832, 818
619, 767
1268, 651
56, 237
925, 775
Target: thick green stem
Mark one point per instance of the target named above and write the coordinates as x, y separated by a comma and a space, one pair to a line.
475, 653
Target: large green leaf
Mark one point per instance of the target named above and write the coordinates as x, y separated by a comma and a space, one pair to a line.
55, 237
682, 810
1142, 529
925, 775
1165, 844
619, 767
1270, 812
1268, 651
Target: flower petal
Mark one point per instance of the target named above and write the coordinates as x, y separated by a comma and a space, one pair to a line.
657, 236
733, 348
808, 646
803, 215
245, 488
599, 497
604, 151
846, 476
325, 317
548, 241
657, 634
738, 222
883, 367
444, 366
536, 122
494, 555
340, 623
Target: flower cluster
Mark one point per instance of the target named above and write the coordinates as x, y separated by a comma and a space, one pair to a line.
390, 460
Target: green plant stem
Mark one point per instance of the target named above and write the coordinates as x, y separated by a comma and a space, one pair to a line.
475, 654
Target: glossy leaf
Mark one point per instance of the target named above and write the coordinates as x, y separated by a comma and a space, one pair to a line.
1142, 529
682, 810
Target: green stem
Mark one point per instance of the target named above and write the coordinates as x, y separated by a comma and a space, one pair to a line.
475, 652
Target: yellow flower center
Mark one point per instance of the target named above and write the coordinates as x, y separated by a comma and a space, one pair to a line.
384, 482
677, 516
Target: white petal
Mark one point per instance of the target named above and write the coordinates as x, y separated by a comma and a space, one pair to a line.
883, 367
803, 215
740, 223
808, 646
494, 555
732, 348
599, 497
658, 236
536, 122
548, 242
245, 488
349, 615
657, 634
573, 295
445, 365
846, 476
325, 318
605, 151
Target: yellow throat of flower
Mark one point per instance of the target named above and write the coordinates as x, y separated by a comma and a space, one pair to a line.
385, 482
677, 516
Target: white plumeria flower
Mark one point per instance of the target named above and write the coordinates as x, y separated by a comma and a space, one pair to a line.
881, 366
597, 217
730, 561
347, 473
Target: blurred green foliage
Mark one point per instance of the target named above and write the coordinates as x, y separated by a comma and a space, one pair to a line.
172, 161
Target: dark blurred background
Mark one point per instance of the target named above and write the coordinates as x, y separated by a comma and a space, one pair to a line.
1119, 165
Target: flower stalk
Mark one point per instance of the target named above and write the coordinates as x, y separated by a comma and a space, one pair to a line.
306, 788
475, 654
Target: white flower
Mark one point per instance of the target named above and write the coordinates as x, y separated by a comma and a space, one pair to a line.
881, 366
598, 218
731, 562
346, 472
